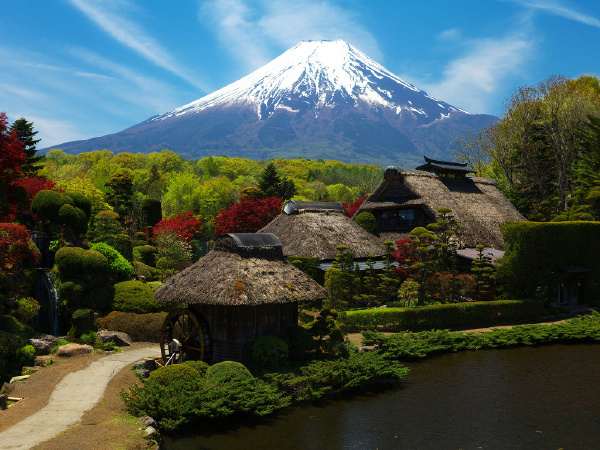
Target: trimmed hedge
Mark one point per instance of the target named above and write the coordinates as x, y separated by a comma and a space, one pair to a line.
118, 264
368, 222
537, 252
228, 371
176, 372
453, 315
47, 203
147, 254
122, 244
71, 261
141, 327
308, 265
135, 296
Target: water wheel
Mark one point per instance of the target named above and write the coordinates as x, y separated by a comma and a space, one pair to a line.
185, 336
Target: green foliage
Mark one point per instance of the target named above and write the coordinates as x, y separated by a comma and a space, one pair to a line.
141, 327
25, 355
9, 344
135, 296
228, 371
307, 264
122, 244
274, 185
327, 326
83, 203
151, 212
537, 252
11, 325
166, 375
200, 366
451, 315
99, 298
73, 218
269, 353
407, 346
82, 322
147, 272
147, 254
27, 309
119, 266
299, 341
104, 226
90, 338
368, 222
46, 205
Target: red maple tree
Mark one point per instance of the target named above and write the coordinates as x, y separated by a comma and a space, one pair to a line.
33, 185
352, 207
16, 248
248, 216
184, 225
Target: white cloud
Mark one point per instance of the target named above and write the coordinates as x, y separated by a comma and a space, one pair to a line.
128, 33
559, 9
256, 34
472, 80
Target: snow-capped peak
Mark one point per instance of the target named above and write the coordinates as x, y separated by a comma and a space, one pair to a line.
318, 74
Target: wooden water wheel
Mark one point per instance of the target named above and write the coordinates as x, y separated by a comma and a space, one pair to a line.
185, 336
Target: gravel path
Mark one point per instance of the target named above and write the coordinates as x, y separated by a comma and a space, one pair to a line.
75, 394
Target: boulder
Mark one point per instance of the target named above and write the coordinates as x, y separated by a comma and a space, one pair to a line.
42, 361
118, 337
73, 350
43, 343
147, 421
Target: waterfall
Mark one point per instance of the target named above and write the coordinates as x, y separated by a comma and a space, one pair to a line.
45, 289
47, 297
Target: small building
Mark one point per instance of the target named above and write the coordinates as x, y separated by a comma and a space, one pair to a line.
316, 229
241, 290
406, 199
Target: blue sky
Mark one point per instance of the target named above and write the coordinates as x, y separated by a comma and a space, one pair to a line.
79, 69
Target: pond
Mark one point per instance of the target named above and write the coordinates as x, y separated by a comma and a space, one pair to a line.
522, 398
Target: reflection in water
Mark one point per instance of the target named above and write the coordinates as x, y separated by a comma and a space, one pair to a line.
524, 398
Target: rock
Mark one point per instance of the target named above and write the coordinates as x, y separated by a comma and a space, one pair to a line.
42, 361
150, 433
3, 401
145, 373
19, 378
117, 337
43, 343
73, 350
147, 421
30, 369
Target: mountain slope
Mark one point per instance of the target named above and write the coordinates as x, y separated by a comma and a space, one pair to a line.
319, 99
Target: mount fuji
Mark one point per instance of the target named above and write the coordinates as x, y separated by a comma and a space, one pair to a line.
319, 99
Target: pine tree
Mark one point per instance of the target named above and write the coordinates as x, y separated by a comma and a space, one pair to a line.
25, 134
274, 185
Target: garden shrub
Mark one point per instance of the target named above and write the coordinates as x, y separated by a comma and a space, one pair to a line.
27, 310
141, 327
299, 341
148, 254
71, 291
11, 325
82, 202
176, 372
73, 218
269, 352
122, 244
165, 263
69, 261
368, 222
154, 285
25, 355
200, 366
82, 322
142, 270
135, 296
46, 205
90, 338
228, 371
119, 266
95, 263
308, 265
453, 315
100, 298
151, 212
537, 252
9, 344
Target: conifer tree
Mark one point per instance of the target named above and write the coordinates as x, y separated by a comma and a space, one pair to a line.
25, 134
274, 185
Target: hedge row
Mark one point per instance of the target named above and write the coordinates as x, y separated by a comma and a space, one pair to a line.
453, 315
141, 327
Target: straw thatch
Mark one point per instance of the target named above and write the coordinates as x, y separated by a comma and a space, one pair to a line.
476, 203
317, 231
234, 275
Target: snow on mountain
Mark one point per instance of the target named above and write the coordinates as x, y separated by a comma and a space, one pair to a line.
318, 74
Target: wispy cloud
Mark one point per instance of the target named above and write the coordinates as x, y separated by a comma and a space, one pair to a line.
130, 34
254, 33
559, 9
472, 80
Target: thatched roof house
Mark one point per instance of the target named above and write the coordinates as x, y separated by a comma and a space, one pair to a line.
316, 229
245, 289
406, 199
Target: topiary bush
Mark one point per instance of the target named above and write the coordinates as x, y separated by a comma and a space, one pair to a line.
95, 263
11, 325
135, 296
200, 366
119, 266
9, 344
25, 355
46, 205
299, 341
72, 291
73, 217
147, 254
99, 298
122, 244
167, 375
82, 202
82, 322
228, 371
69, 261
269, 352
148, 273
141, 327
367, 221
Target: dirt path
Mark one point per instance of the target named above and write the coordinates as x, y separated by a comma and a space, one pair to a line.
78, 400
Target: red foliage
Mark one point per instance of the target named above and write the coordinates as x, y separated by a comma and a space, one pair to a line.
16, 248
12, 155
248, 216
406, 254
352, 207
184, 225
33, 185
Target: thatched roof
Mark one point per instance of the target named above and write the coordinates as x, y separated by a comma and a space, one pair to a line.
319, 230
476, 203
236, 272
